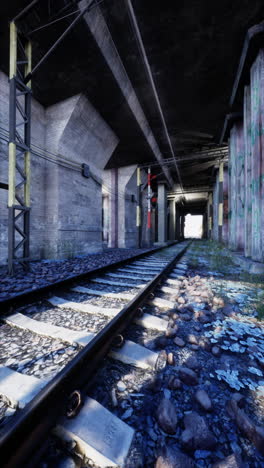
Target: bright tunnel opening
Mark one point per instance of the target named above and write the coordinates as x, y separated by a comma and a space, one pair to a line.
193, 226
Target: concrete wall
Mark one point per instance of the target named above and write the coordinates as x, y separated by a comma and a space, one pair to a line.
66, 213
246, 170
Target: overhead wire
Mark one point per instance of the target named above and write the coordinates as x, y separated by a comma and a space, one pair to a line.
67, 163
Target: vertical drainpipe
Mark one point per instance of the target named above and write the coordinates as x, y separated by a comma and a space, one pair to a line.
220, 202
149, 208
138, 221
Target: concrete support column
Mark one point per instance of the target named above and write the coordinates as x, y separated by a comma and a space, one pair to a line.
236, 187
210, 215
178, 224
257, 155
138, 218
225, 206
215, 233
182, 226
172, 220
162, 213
113, 234
248, 172
220, 201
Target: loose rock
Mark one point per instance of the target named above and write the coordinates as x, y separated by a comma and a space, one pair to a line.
179, 342
203, 399
171, 457
166, 416
233, 461
197, 435
188, 376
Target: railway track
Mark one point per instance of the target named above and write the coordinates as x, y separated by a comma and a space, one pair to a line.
52, 344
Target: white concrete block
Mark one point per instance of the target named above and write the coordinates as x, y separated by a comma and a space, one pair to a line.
127, 276
136, 272
176, 275
168, 290
152, 322
175, 282
142, 268
135, 355
99, 434
162, 303
118, 283
47, 329
150, 263
113, 295
18, 388
80, 307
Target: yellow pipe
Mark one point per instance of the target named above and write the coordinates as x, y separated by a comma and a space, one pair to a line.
13, 50
11, 174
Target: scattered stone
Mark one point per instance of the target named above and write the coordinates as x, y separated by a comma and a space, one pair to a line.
188, 376
192, 362
170, 359
216, 351
155, 384
233, 461
166, 416
161, 342
186, 317
181, 300
194, 347
193, 339
121, 387
203, 399
171, 457
254, 433
179, 342
174, 383
197, 435
172, 332
218, 301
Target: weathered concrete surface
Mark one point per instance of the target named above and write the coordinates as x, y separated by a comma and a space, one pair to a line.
18, 388
162, 213
65, 206
47, 329
136, 355
99, 434
99, 29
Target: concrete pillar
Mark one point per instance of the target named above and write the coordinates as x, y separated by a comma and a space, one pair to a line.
225, 206
178, 224
248, 172
182, 226
127, 207
113, 233
172, 220
162, 213
236, 187
210, 215
257, 155
220, 200
215, 209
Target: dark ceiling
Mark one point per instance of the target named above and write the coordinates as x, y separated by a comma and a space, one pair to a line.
193, 48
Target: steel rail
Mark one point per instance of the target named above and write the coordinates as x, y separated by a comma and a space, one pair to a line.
22, 298
26, 431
